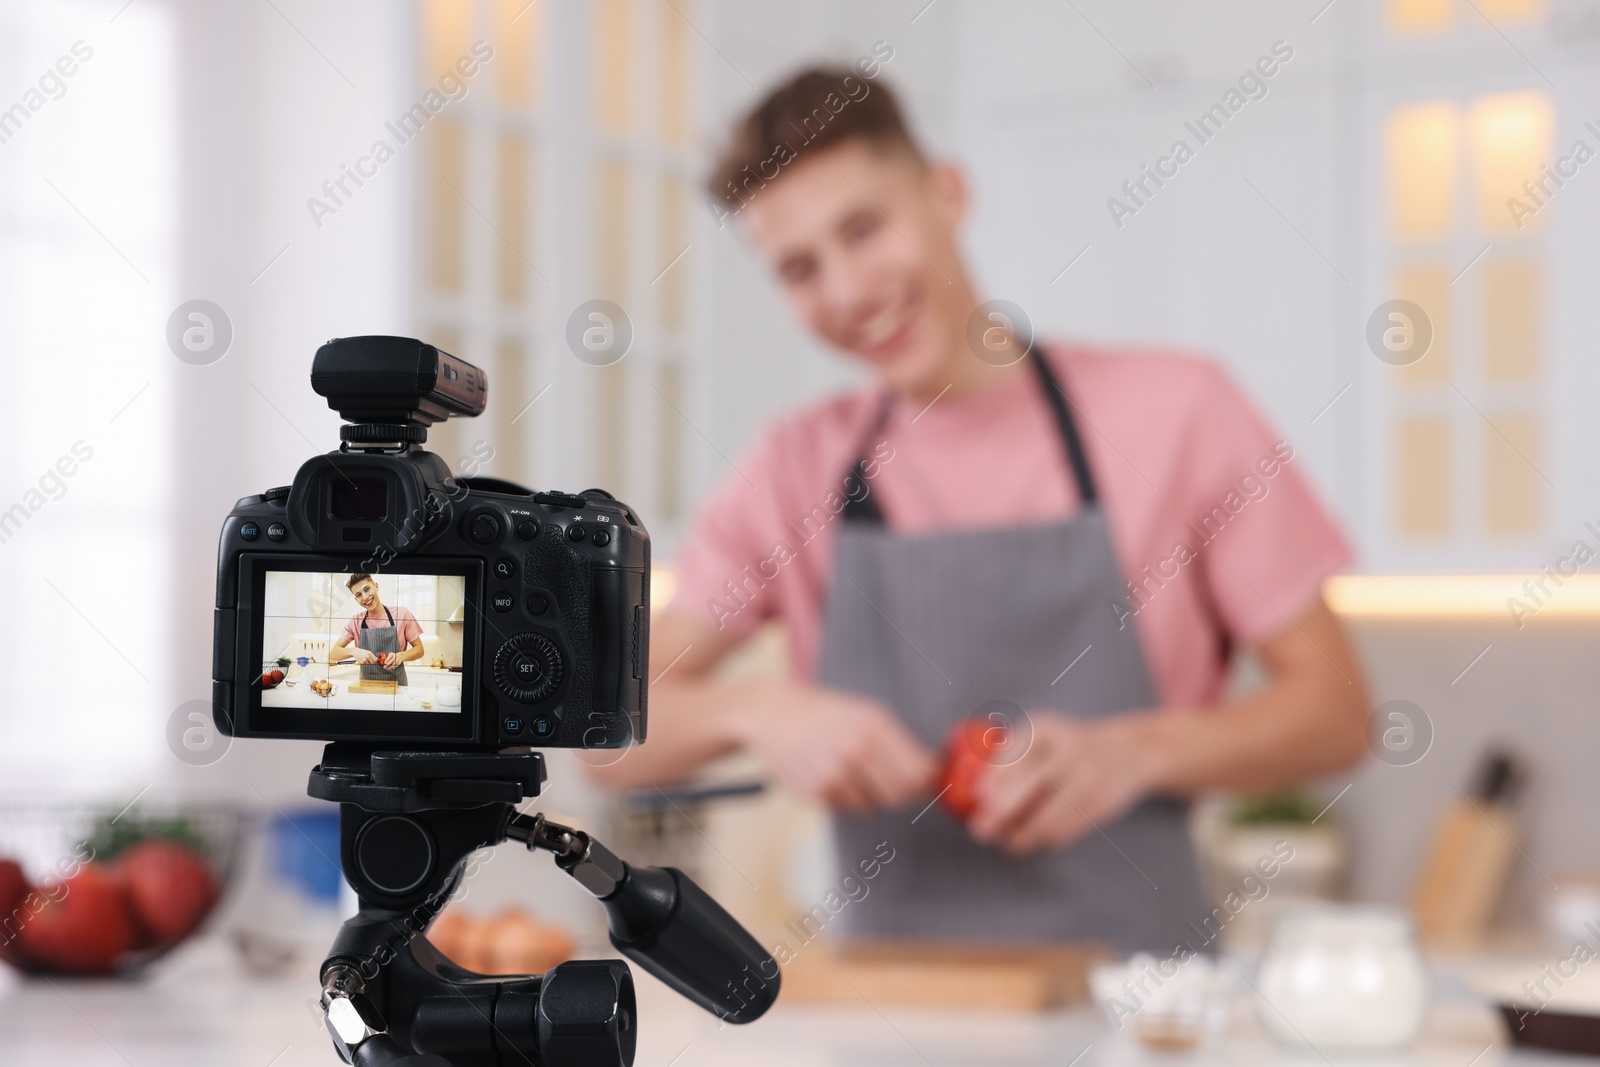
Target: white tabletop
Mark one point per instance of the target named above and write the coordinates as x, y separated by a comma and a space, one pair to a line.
425, 688
200, 1008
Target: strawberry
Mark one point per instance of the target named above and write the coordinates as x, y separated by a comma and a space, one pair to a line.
84, 930
168, 887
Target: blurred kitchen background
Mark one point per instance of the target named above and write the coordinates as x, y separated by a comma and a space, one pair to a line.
197, 153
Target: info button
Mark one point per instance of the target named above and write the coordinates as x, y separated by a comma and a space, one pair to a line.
503, 602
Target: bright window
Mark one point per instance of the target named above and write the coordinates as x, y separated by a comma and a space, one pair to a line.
495, 285
1468, 436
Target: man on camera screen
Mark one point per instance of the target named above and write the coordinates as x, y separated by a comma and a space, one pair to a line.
379, 638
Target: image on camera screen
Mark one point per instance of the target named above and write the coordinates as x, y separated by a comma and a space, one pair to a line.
337, 641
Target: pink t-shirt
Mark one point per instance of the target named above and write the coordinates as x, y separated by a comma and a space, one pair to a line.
407, 628
1220, 538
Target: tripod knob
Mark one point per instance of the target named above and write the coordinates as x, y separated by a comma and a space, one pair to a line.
587, 1014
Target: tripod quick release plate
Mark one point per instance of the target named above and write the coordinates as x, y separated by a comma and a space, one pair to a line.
420, 781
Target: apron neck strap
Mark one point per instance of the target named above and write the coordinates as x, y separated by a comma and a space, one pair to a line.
863, 506
860, 505
1068, 428
386, 611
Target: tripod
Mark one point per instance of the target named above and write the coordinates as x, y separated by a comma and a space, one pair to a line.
407, 823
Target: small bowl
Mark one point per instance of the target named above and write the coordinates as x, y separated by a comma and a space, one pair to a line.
1168, 1004
54, 842
1565, 1020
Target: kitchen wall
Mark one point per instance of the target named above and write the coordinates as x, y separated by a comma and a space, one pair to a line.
1535, 691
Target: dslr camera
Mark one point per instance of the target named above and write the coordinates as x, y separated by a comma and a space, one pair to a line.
381, 599
436, 631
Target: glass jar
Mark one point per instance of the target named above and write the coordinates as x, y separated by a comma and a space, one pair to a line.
1346, 978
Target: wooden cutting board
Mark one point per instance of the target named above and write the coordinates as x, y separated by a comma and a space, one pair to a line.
935, 974
386, 689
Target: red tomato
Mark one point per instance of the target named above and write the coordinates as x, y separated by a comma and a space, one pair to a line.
84, 931
168, 887
969, 750
277, 676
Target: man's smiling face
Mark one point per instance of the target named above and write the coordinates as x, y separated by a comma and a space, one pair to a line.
863, 243
366, 594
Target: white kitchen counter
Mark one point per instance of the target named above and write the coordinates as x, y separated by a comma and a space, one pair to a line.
423, 688
200, 1009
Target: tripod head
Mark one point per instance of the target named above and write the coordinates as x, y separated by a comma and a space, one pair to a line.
407, 823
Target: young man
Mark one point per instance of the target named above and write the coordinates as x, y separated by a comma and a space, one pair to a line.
1077, 535
379, 638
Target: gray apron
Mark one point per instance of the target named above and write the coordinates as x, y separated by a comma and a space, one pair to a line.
942, 626
378, 640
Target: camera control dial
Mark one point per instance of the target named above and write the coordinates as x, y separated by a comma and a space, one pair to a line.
527, 668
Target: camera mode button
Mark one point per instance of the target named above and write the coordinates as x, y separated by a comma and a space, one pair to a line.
503, 602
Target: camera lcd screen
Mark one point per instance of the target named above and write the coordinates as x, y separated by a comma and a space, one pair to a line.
358, 499
339, 642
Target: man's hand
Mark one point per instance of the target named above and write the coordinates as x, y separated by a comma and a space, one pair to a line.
363, 655
844, 750
1079, 774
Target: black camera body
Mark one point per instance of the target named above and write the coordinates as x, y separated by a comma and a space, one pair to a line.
422, 610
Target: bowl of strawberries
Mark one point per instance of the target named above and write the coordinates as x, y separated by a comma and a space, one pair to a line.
93, 893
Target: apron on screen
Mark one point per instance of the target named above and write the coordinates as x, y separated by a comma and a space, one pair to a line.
938, 625
378, 640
